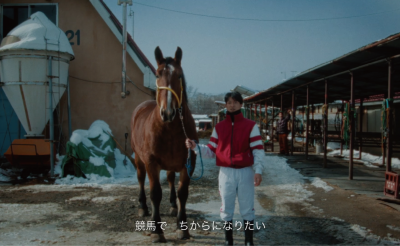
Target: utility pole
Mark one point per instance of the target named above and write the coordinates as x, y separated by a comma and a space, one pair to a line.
132, 14
124, 42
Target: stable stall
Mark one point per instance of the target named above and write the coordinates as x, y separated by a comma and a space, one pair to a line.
368, 74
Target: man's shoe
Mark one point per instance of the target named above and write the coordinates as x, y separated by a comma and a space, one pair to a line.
248, 232
228, 232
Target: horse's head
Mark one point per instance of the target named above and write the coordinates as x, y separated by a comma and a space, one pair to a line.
169, 84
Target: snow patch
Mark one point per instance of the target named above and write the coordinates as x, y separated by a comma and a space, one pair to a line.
366, 158
337, 219
106, 199
5, 175
319, 183
393, 228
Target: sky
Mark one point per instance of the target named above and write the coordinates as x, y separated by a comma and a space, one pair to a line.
283, 37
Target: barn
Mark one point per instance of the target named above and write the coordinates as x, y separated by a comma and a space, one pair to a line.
94, 79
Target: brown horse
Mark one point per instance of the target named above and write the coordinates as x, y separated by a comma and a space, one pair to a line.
158, 140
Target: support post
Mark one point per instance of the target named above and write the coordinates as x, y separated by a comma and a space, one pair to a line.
312, 128
351, 118
361, 128
389, 139
255, 112
293, 122
50, 71
341, 124
307, 120
266, 116
250, 111
325, 115
272, 126
69, 110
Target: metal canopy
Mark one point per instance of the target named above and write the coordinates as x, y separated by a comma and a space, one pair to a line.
368, 64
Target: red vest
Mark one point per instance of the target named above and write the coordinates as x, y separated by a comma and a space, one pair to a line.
233, 142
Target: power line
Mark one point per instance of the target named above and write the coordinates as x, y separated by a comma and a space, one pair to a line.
110, 82
266, 20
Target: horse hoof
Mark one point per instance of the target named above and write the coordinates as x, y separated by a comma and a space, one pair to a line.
173, 211
183, 234
143, 212
158, 238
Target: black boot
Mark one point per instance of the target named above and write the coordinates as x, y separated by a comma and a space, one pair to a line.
248, 232
228, 232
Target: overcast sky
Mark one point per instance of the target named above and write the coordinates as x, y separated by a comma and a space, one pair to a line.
283, 38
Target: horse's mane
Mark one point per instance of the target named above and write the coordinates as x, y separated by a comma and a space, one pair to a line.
169, 60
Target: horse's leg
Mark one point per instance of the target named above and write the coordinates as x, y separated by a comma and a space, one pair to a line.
172, 197
183, 193
157, 235
141, 175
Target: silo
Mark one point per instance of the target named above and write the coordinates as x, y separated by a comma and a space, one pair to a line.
34, 58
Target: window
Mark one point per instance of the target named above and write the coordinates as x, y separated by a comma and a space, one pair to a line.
13, 15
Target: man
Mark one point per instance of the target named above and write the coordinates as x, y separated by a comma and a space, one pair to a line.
282, 131
236, 144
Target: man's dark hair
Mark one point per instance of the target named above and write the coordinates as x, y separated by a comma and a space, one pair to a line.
235, 96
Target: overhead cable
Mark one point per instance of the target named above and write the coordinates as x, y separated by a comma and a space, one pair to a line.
266, 20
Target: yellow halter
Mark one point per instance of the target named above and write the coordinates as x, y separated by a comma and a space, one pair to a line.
173, 92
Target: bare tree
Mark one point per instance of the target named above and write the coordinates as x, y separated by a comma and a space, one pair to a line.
204, 103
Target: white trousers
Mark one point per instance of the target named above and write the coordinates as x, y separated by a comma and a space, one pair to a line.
236, 182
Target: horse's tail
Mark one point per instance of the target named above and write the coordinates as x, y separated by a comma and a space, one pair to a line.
123, 151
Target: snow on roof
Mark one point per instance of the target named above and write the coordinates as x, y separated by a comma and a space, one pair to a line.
199, 116
244, 90
33, 33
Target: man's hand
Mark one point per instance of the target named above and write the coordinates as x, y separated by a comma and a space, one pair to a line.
190, 144
289, 110
257, 179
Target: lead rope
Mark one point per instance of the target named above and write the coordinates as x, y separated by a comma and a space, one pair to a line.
188, 164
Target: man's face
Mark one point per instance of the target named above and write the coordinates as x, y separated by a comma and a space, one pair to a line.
232, 105
280, 115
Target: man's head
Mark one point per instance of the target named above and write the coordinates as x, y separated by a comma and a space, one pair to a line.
280, 115
233, 101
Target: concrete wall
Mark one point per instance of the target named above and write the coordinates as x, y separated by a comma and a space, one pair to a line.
95, 74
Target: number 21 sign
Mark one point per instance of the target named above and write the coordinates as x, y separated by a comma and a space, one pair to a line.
71, 37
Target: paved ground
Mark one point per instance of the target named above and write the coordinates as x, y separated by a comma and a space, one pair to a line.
365, 204
355, 212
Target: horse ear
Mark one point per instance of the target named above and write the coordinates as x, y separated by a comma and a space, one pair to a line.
178, 56
159, 56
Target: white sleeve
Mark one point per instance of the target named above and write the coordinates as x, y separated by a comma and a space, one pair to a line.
206, 152
257, 148
259, 160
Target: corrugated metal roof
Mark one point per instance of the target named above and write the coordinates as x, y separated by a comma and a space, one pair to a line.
368, 65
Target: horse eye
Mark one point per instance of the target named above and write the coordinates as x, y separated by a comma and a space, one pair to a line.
157, 76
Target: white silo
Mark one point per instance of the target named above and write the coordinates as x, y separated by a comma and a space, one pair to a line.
35, 58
